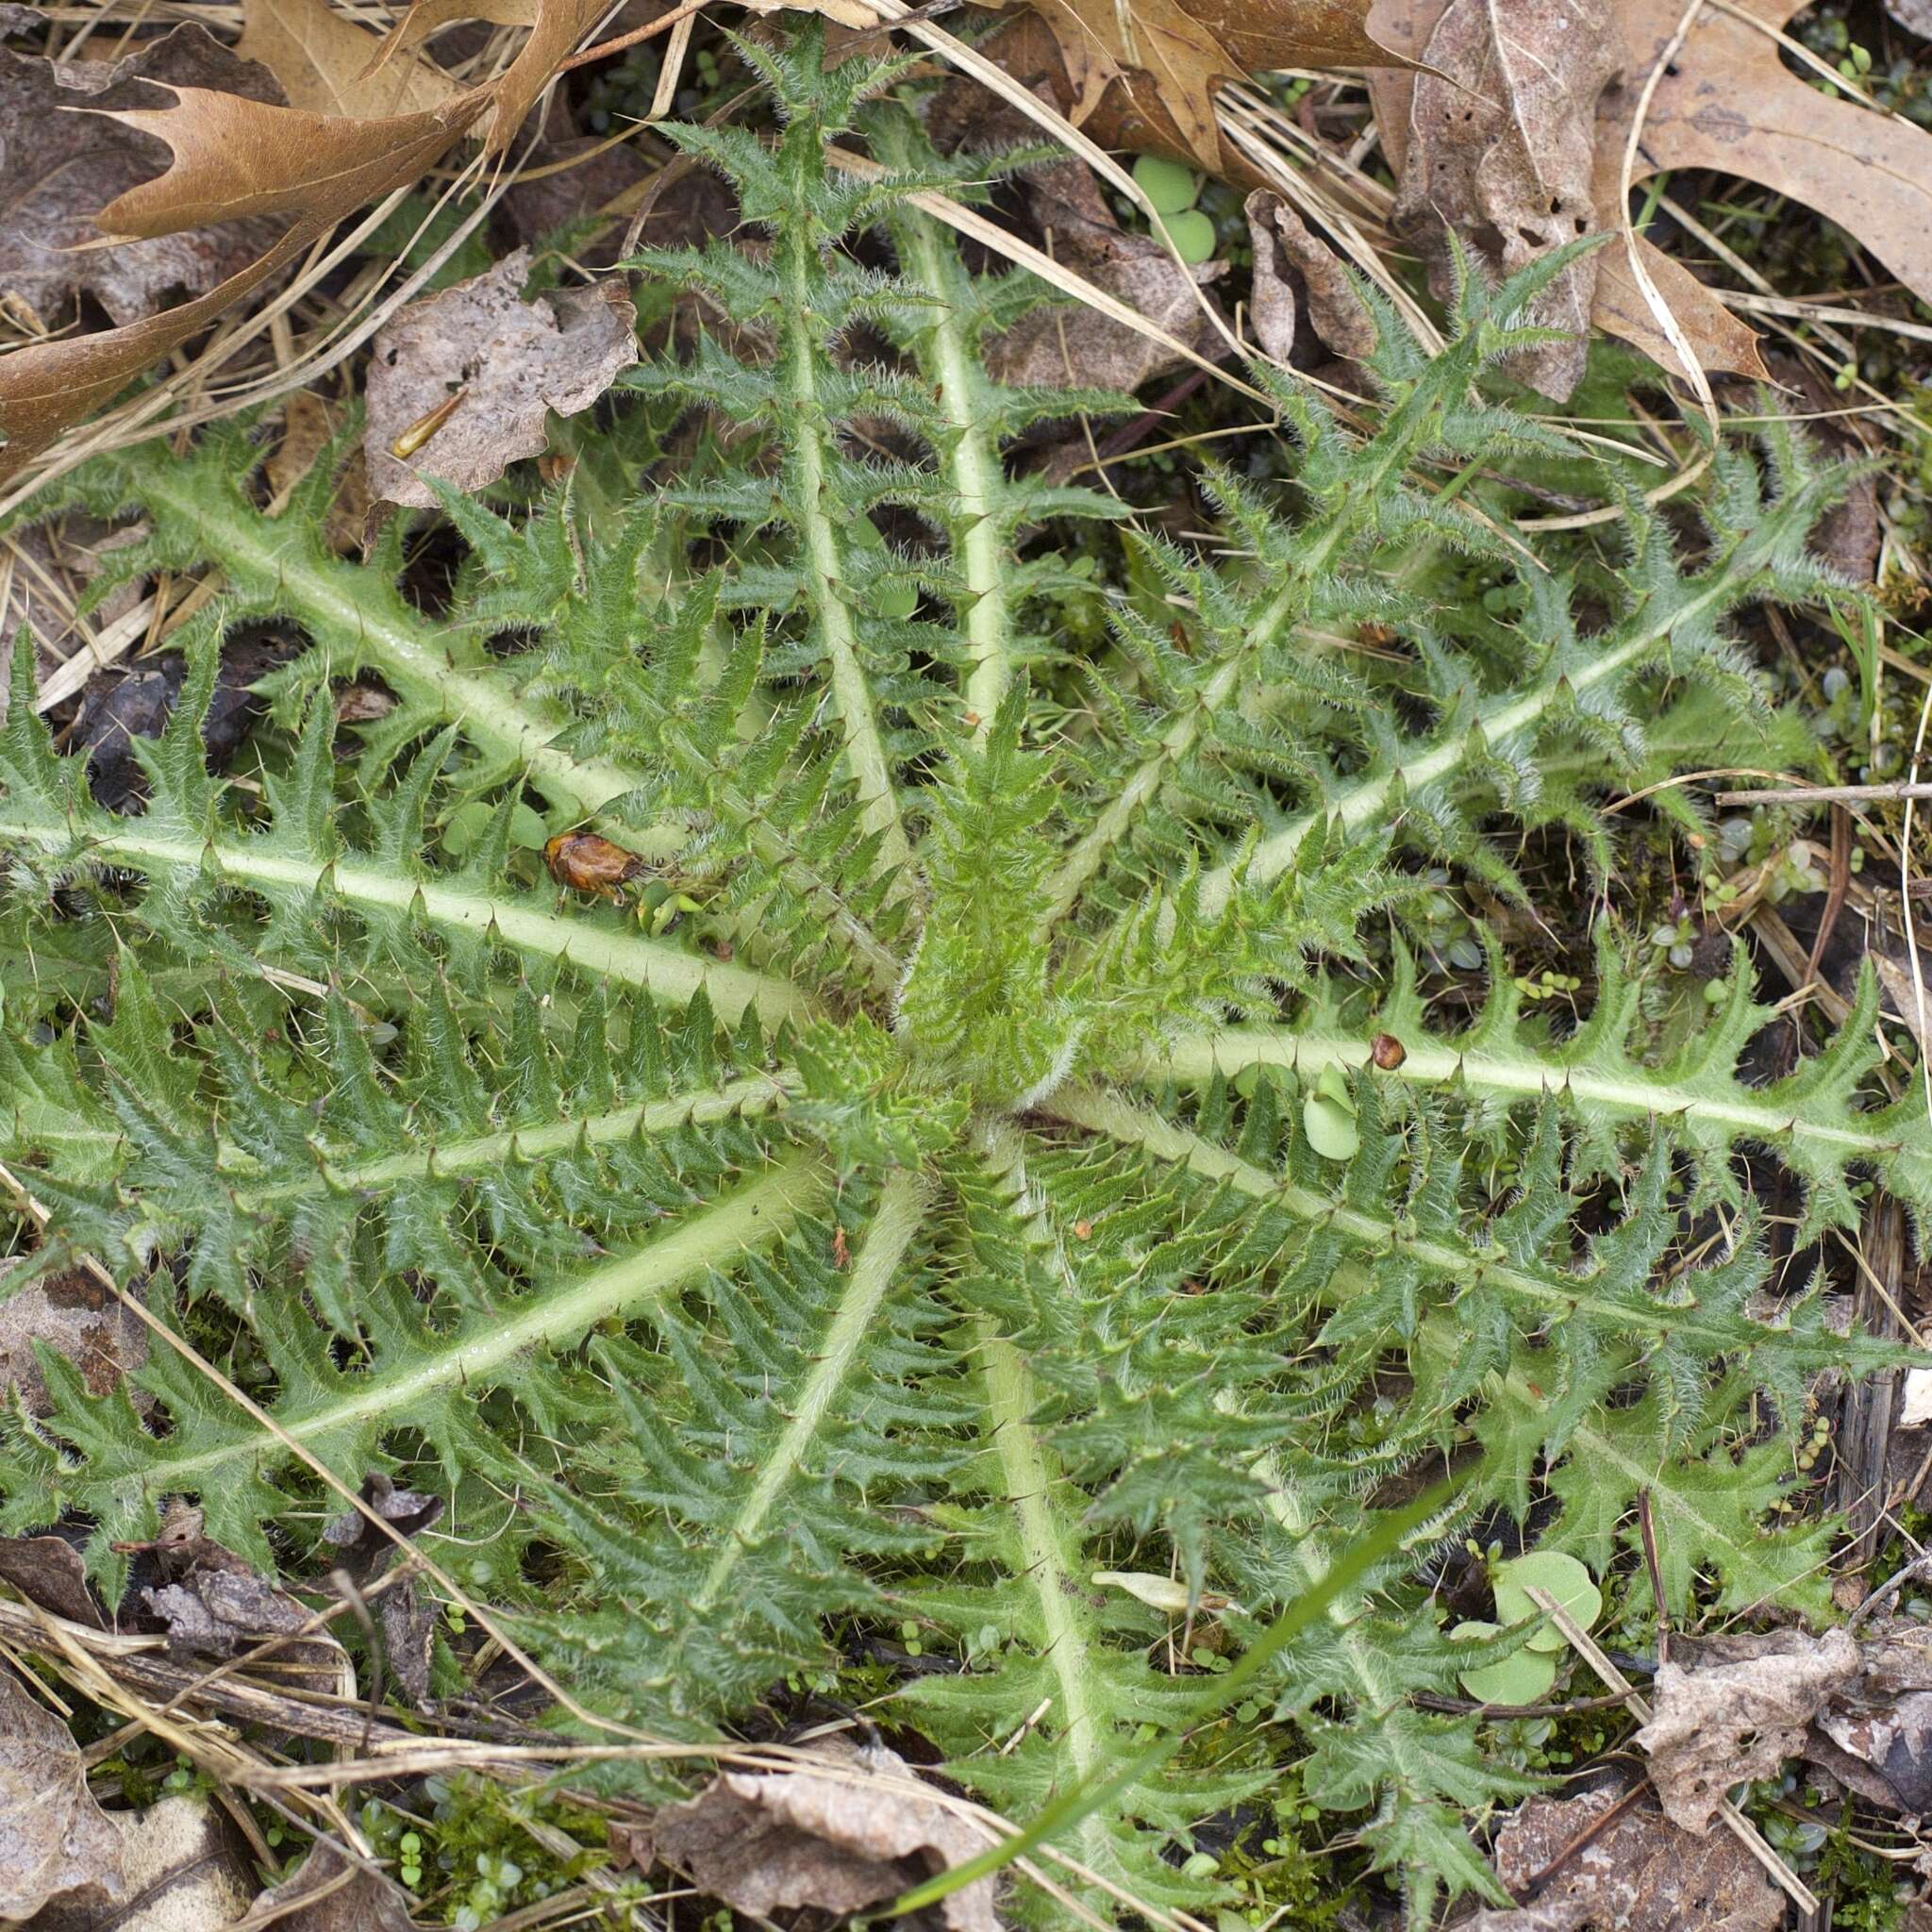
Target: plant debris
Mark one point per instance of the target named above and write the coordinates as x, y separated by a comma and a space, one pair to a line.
1574, 1863
76, 1317
1713, 1728
54, 1839
1500, 152
1286, 253
838, 1841
497, 365
329, 1894
363, 1555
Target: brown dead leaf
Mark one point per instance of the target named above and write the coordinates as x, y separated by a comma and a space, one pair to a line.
54, 1839
1728, 101
1720, 340
324, 61
1160, 61
363, 1554
1500, 152
181, 1869
507, 361
833, 1840
1915, 16
62, 165
329, 1894
1640, 1873
1285, 252
76, 1317
1712, 1727
1072, 348
47, 1571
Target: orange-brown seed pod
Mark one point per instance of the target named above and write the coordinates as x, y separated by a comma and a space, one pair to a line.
586, 863
1387, 1052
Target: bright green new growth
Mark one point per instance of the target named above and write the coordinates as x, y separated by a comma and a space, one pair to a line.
930, 1222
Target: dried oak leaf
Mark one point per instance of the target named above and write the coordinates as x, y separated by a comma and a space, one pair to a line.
63, 166
838, 1839
54, 1839
1074, 348
326, 62
1500, 152
1719, 339
1728, 101
509, 360
1711, 1728
76, 1317
329, 1894
183, 1870
1286, 252
1639, 1873
1155, 64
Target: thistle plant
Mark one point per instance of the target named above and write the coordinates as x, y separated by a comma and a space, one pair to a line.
1014, 1156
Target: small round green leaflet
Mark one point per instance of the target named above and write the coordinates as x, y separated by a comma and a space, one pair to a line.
1563, 1577
1328, 1117
1192, 233
1524, 1678
468, 823
1169, 186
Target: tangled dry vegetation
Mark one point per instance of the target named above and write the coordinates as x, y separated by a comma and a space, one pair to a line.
963, 964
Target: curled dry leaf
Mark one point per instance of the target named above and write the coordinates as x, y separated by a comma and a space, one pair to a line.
1719, 339
74, 1315
363, 1554
48, 1572
504, 360
181, 1870
1638, 1872
1711, 1728
327, 63
1072, 348
1285, 253
840, 1839
1500, 152
1145, 72
62, 164
54, 1839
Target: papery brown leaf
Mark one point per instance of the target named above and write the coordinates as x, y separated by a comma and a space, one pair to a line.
1155, 64
1720, 339
1713, 1728
324, 61
54, 1839
76, 1317
60, 165
505, 361
556, 27
48, 1571
1500, 152
1285, 252
1729, 103
838, 1839
1638, 1872
182, 1868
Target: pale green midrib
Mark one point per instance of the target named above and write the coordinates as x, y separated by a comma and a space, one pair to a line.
1283, 611
632, 958
902, 1202
1196, 1060
1120, 1120
710, 1237
420, 671
1027, 1479
483, 1153
864, 746
976, 470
